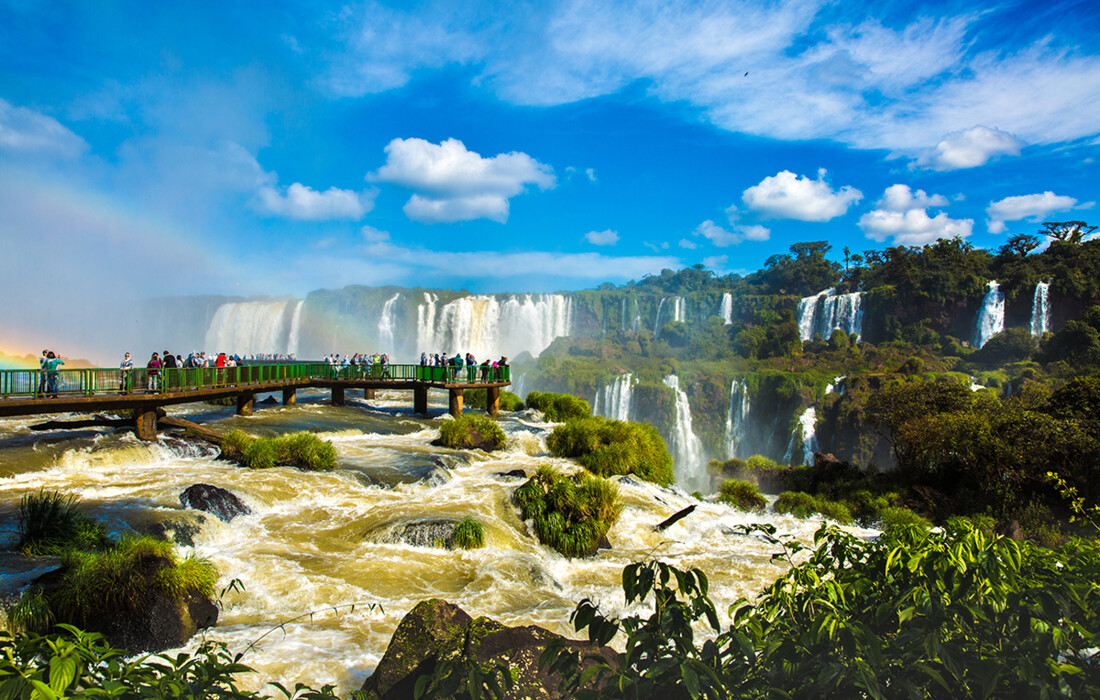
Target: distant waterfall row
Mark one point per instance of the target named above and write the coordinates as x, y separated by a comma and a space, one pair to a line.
991, 313
488, 326
255, 327
827, 311
614, 400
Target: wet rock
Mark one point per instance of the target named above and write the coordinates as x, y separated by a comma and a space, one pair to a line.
604, 543
422, 532
436, 630
628, 481
515, 474
179, 531
269, 401
188, 447
222, 504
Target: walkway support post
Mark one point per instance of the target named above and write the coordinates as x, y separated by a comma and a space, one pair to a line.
420, 400
368, 394
492, 400
290, 396
455, 407
145, 422
246, 402
337, 396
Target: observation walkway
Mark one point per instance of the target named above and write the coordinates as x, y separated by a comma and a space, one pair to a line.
24, 392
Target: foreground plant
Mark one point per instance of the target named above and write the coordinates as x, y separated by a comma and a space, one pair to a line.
571, 516
51, 524
303, 450
611, 447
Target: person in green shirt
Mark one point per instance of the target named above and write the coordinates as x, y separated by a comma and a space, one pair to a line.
52, 363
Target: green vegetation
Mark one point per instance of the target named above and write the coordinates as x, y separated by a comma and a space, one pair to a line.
571, 514
469, 533
558, 408
470, 431
742, 495
610, 447
51, 524
477, 398
303, 450
803, 505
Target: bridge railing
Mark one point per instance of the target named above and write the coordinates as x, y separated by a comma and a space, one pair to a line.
29, 384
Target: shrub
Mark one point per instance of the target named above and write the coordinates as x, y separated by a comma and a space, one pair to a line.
741, 495
803, 505
50, 524
894, 518
610, 447
303, 450
469, 534
472, 430
558, 408
478, 398
570, 515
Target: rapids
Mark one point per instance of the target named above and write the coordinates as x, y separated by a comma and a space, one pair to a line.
307, 547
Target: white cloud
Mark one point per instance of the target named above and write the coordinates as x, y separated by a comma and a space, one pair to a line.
755, 233
304, 203
903, 215
25, 131
789, 196
373, 235
451, 183
607, 237
1032, 207
716, 263
685, 243
969, 149
591, 173
723, 238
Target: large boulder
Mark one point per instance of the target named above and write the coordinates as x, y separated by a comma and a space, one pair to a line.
436, 630
419, 532
222, 504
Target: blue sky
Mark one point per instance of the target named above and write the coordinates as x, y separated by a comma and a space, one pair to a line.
272, 148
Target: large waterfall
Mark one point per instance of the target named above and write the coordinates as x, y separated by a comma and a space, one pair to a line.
1040, 309
490, 326
687, 449
295, 329
614, 400
254, 327
725, 310
805, 431
991, 316
737, 414
827, 311
386, 324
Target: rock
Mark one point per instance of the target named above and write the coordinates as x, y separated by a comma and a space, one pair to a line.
1010, 529
515, 473
224, 505
179, 531
421, 532
437, 630
269, 401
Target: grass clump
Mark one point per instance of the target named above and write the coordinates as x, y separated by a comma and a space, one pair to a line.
803, 505
303, 450
611, 447
893, 518
742, 495
478, 398
472, 430
469, 533
558, 408
51, 524
570, 514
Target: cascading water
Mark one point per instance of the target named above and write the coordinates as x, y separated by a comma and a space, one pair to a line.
691, 469
991, 316
725, 310
637, 323
835, 386
386, 325
737, 414
657, 322
490, 326
614, 400
253, 327
806, 432
827, 311
1040, 309
425, 323
295, 329
679, 309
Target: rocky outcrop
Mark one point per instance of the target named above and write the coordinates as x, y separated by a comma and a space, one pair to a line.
436, 631
222, 504
421, 532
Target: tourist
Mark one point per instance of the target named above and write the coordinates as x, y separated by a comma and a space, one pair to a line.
501, 364
153, 374
52, 363
485, 367
423, 359
124, 374
41, 390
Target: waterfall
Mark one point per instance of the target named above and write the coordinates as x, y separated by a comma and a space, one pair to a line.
490, 326
691, 469
991, 317
295, 329
252, 327
806, 431
679, 309
386, 324
834, 387
726, 308
614, 399
637, 318
1040, 309
657, 323
622, 315
827, 311
737, 413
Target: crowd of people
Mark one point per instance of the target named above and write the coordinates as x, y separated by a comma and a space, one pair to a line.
167, 360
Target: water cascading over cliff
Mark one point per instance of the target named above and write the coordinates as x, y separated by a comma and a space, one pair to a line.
827, 311
687, 449
491, 326
737, 414
614, 400
255, 327
806, 432
991, 315
1040, 309
386, 325
725, 309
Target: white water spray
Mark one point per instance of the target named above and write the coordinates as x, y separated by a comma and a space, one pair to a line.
691, 469
737, 413
991, 316
806, 430
251, 327
386, 325
489, 326
1040, 309
725, 310
295, 329
614, 400
827, 311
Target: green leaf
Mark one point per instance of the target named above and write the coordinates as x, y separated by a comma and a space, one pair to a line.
62, 672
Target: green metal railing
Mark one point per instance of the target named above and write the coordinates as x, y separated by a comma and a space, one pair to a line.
29, 384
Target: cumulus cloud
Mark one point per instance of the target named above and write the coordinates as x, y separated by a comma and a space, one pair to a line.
723, 238
451, 183
607, 237
1032, 207
903, 215
685, 243
373, 235
969, 149
23, 130
306, 204
789, 196
591, 173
